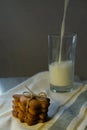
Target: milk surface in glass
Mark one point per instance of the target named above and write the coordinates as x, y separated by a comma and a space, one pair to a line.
61, 74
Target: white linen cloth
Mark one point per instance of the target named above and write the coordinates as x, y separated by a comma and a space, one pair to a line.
68, 111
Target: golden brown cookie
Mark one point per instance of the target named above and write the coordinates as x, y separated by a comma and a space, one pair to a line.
15, 108
43, 116
15, 113
15, 103
41, 121
44, 103
33, 117
23, 99
31, 122
34, 111
22, 106
21, 116
30, 109
34, 104
17, 97
44, 110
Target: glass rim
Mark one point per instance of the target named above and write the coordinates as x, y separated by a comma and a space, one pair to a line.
65, 35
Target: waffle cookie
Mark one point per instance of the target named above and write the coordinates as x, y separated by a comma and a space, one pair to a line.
30, 109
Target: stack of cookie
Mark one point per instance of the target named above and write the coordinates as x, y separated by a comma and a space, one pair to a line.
30, 109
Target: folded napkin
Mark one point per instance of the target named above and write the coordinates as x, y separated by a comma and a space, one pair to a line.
67, 111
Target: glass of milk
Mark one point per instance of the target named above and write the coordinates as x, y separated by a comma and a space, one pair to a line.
61, 62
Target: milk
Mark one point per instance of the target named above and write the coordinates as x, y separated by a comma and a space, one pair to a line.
61, 74
63, 28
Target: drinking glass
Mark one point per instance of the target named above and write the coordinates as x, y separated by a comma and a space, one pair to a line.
61, 58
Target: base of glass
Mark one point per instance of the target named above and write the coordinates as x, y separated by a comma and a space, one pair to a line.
61, 88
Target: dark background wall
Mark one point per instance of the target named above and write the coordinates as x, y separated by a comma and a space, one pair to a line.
24, 28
